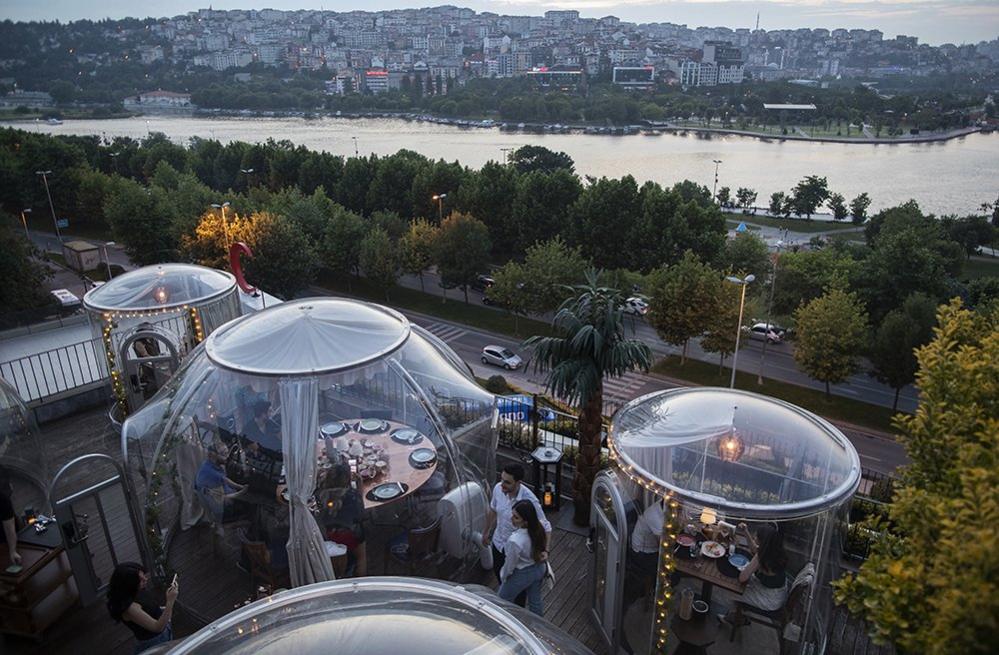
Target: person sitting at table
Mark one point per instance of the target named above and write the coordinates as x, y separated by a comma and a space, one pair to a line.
8, 517
342, 513
218, 492
263, 432
645, 551
765, 576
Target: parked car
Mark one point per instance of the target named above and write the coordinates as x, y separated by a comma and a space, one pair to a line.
482, 282
636, 306
770, 333
500, 356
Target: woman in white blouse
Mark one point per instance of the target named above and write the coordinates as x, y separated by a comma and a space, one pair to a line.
524, 568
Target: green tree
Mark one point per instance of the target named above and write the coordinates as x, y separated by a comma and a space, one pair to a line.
379, 259
141, 219
777, 202
462, 250
725, 197
807, 274
537, 158
746, 198
341, 244
541, 206
837, 205
809, 193
832, 331
605, 213
551, 268
284, 262
721, 326
746, 253
23, 274
590, 345
486, 193
417, 248
509, 291
682, 300
858, 208
969, 231
893, 348
931, 582
206, 244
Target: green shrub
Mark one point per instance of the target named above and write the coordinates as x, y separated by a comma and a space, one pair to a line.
497, 384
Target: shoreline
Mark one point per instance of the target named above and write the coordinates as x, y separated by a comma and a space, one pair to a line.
534, 128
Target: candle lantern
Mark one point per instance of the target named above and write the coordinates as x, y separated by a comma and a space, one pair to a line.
548, 476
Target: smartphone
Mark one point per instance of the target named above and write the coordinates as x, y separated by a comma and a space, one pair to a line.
14, 569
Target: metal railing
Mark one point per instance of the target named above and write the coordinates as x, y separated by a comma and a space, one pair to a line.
56, 371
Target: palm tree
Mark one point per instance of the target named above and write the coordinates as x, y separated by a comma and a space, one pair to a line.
591, 345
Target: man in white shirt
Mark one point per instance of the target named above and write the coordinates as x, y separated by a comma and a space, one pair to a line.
648, 529
499, 524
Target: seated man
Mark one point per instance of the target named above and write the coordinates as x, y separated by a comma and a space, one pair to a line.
218, 492
341, 514
262, 431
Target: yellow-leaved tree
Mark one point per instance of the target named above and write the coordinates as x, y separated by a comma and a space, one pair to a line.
931, 584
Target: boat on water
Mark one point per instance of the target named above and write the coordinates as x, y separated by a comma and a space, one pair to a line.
53, 121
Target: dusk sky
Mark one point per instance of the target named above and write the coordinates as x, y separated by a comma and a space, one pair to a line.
933, 21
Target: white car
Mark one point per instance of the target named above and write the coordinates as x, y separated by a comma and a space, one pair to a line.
636, 306
763, 332
500, 356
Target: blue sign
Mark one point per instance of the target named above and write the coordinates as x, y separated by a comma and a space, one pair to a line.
518, 408
62, 222
742, 227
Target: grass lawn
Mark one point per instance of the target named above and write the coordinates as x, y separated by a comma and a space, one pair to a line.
980, 267
793, 224
835, 408
454, 309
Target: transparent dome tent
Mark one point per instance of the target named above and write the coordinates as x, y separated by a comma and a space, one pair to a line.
150, 318
694, 464
376, 615
22, 458
317, 439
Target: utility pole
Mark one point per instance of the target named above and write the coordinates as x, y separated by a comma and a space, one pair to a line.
24, 221
506, 155
770, 305
55, 221
356, 154
714, 192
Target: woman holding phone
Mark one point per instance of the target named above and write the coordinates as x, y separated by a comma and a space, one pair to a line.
149, 622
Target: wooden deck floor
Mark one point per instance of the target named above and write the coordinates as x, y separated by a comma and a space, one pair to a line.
218, 585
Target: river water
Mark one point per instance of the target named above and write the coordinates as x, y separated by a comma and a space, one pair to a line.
954, 176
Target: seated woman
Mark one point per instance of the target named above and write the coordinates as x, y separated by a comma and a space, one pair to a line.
341, 514
765, 576
149, 622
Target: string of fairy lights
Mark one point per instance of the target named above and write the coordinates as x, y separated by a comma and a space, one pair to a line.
667, 561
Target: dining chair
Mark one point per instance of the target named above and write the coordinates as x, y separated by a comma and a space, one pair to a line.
259, 556
792, 610
412, 547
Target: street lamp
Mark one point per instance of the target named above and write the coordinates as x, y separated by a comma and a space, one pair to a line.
356, 154
714, 191
107, 260
247, 172
55, 221
506, 154
24, 221
770, 305
114, 158
743, 282
439, 197
225, 223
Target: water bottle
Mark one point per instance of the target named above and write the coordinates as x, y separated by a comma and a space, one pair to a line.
731, 549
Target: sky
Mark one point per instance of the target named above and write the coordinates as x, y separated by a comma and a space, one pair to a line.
933, 21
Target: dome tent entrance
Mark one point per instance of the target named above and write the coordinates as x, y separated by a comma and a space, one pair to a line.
331, 432
692, 464
150, 318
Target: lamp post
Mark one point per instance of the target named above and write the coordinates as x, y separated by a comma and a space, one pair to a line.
439, 197
114, 158
107, 260
55, 221
225, 223
356, 154
247, 172
714, 191
743, 282
770, 305
24, 222
506, 154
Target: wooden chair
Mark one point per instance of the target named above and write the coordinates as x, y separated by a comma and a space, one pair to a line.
792, 609
413, 547
259, 556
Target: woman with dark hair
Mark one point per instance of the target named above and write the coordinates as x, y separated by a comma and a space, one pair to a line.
524, 568
765, 576
8, 517
148, 622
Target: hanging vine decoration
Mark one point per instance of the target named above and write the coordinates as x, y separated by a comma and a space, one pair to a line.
117, 386
164, 467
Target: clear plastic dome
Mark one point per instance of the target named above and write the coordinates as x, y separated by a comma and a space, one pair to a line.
318, 420
749, 454
159, 287
22, 458
375, 616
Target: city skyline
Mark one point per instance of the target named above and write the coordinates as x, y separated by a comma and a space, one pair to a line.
933, 21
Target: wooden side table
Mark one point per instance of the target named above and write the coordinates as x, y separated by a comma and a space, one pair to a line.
35, 598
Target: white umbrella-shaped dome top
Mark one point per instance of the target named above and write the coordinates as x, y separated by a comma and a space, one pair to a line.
750, 455
311, 336
160, 287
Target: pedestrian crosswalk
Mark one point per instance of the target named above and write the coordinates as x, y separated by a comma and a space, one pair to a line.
624, 388
445, 332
